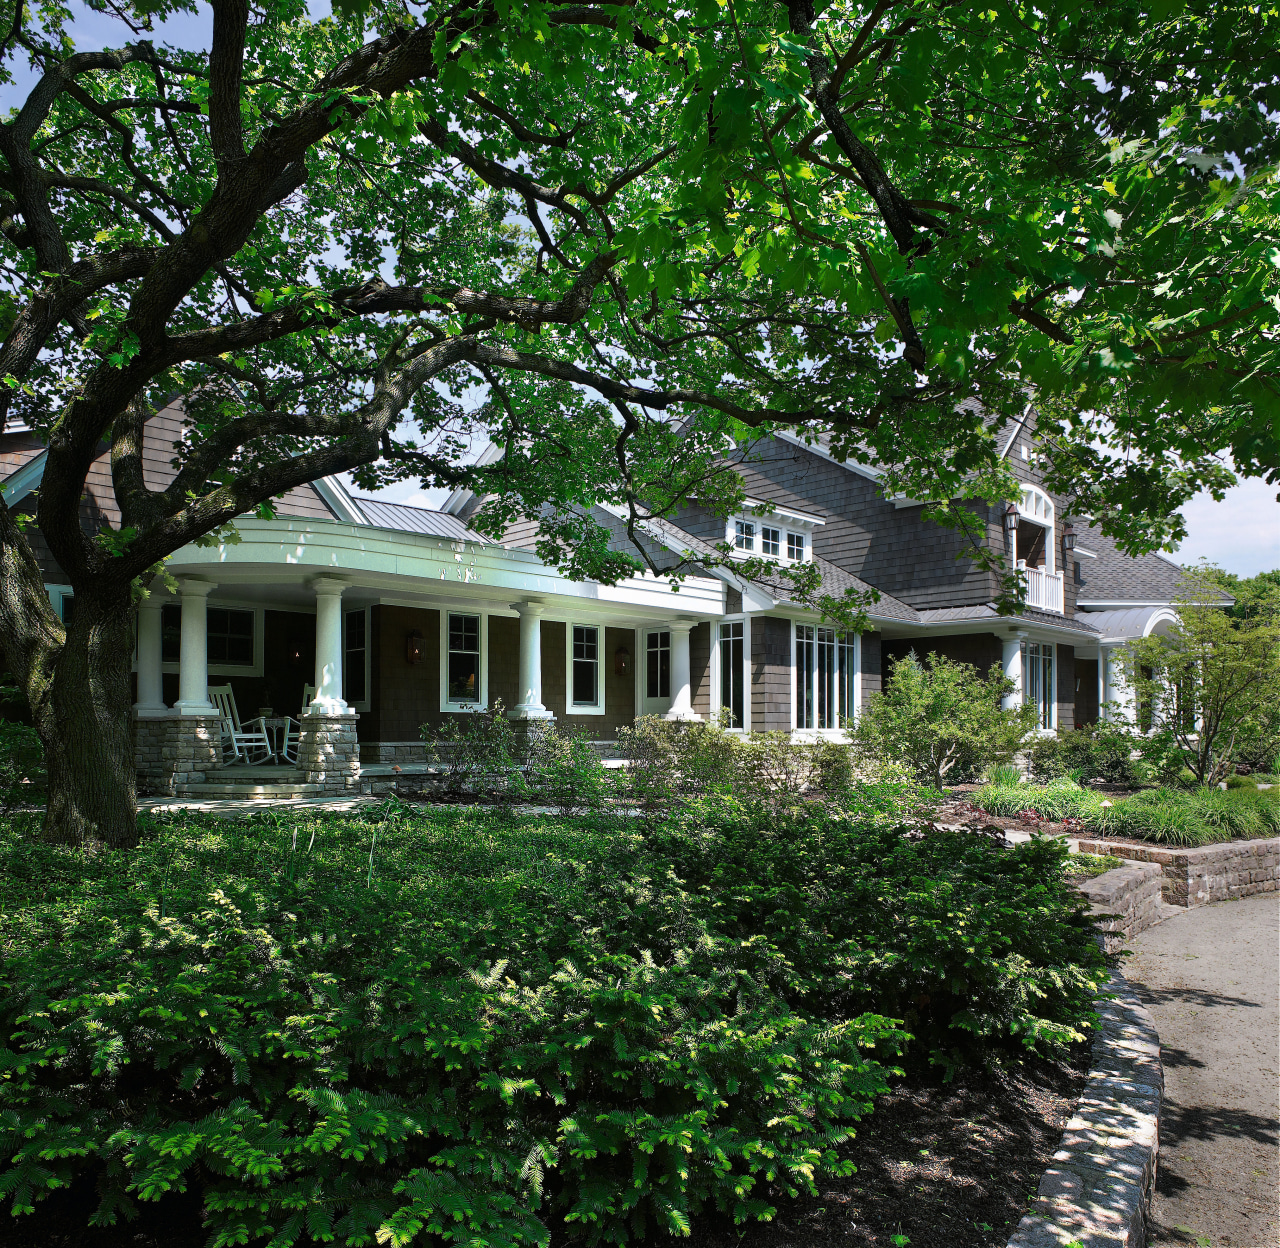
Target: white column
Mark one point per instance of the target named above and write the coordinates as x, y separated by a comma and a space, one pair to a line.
530, 705
193, 662
1011, 662
681, 684
1119, 691
1102, 684
150, 701
328, 699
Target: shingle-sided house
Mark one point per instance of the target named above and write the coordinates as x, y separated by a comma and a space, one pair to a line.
358, 621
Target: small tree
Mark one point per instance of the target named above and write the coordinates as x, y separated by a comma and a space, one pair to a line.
942, 719
1209, 688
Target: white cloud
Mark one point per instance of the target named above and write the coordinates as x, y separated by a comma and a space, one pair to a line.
1241, 534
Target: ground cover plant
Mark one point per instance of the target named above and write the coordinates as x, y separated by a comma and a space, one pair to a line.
464, 1025
1172, 816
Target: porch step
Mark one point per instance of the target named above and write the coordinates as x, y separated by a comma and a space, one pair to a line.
247, 792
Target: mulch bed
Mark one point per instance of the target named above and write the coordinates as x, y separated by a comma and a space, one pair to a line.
943, 1165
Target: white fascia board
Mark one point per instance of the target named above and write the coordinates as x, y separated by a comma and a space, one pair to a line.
26, 479
863, 470
1121, 604
338, 498
761, 509
459, 498
391, 561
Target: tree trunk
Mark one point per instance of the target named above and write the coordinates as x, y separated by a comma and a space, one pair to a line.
86, 726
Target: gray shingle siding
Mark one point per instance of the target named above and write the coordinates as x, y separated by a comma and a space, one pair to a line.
770, 674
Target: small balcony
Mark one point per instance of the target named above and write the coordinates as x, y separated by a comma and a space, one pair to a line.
1044, 589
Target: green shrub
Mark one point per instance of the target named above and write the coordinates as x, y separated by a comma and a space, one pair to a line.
476, 752
1005, 775
1102, 751
563, 769
481, 1028
22, 774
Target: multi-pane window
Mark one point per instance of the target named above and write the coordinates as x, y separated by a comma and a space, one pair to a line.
732, 665
826, 668
229, 636
354, 648
464, 658
586, 665
657, 672
1038, 680
744, 535
770, 540
795, 546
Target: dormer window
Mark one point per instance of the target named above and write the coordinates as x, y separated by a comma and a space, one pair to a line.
785, 535
744, 536
796, 545
771, 541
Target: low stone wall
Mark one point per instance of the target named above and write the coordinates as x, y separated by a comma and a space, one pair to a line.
1098, 1189
1125, 901
328, 754
393, 751
173, 751
1196, 877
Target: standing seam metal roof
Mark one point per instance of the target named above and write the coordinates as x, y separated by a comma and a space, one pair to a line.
406, 519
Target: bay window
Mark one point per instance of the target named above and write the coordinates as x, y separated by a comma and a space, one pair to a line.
826, 668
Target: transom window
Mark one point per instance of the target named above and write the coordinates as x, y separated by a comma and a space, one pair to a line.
585, 677
732, 673
744, 535
770, 541
657, 673
464, 659
826, 669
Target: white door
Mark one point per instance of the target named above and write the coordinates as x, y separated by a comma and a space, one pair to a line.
655, 671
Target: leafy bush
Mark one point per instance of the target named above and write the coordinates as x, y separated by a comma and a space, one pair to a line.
471, 1027
942, 720
22, 775
1103, 751
475, 751
562, 769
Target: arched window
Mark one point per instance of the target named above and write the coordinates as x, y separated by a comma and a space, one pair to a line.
1035, 544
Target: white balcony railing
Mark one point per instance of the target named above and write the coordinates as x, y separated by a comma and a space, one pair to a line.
1044, 588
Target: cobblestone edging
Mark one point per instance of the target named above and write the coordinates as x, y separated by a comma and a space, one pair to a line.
1196, 877
1098, 1190
1125, 901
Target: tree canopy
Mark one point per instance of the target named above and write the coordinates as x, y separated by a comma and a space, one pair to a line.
619, 239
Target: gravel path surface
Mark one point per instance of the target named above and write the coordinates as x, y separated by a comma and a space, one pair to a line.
1211, 978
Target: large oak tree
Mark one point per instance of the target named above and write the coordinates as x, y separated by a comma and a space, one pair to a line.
620, 235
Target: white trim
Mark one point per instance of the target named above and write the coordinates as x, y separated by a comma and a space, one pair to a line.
862, 470
644, 704
56, 594
1080, 550
338, 498
714, 674
25, 479
364, 703
581, 708
463, 707
229, 604
823, 734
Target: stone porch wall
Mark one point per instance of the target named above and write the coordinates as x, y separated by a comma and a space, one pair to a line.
1196, 877
173, 752
328, 753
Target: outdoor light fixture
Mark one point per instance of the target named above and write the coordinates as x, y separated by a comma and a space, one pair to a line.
413, 647
1011, 518
621, 661
1068, 537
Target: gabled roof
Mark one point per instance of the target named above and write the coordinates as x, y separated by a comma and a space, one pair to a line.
408, 519
1111, 579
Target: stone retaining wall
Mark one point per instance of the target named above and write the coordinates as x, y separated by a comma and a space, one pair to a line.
1125, 901
1098, 1189
1196, 877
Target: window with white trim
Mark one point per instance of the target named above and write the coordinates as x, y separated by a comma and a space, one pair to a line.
657, 664
733, 692
233, 639
796, 546
585, 695
463, 680
744, 535
1037, 676
770, 541
355, 657
826, 670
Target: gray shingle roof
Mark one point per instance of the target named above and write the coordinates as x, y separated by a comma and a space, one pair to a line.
985, 611
1116, 577
406, 519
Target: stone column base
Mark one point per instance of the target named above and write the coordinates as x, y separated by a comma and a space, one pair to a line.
328, 754
173, 752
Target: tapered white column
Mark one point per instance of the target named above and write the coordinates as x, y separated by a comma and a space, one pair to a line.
328, 699
530, 705
1119, 693
681, 684
1011, 663
150, 701
193, 662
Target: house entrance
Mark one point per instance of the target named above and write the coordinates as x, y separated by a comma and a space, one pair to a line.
655, 672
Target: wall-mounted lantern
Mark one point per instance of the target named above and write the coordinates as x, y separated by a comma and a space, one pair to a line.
413, 648
1068, 537
1011, 518
621, 661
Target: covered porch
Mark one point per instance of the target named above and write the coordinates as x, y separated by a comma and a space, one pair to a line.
339, 642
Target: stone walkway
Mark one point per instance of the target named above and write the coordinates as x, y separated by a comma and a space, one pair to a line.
1211, 978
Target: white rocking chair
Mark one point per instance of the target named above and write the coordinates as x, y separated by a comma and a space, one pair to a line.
292, 729
241, 743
